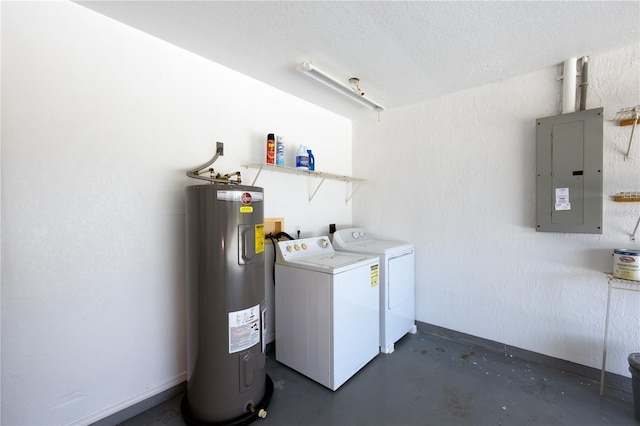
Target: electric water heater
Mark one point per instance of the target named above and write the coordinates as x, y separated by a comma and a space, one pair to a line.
226, 379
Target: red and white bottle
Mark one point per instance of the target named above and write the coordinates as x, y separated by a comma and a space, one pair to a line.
271, 148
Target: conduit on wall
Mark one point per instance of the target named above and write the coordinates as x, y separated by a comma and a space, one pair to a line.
584, 83
569, 86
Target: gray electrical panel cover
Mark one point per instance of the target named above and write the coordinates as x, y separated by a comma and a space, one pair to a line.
569, 172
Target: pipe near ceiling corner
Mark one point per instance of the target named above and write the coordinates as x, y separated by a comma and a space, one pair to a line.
569, 86
584, 82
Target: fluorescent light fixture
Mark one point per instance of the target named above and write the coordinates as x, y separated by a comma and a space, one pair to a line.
338, 86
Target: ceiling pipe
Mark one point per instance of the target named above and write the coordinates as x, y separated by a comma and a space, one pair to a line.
569, 86
584, 76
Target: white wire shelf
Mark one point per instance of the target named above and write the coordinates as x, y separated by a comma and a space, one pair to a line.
309, 173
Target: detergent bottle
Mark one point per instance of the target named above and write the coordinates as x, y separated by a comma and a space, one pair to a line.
312, 160
302, 158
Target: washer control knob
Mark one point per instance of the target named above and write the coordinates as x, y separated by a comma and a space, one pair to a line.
304, 246
355, 235
297, 247
324, 243
289, 248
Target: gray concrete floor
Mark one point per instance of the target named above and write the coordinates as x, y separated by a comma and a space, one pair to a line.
429, 380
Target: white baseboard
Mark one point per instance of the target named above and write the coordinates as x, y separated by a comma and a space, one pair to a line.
128, 402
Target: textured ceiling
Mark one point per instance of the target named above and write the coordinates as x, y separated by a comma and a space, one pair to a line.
403, 52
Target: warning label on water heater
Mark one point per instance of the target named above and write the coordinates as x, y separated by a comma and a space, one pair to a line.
259, 237
244, 329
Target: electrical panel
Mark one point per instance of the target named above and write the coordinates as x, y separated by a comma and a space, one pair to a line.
569, 172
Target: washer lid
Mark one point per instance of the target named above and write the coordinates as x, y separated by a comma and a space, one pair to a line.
359, 240
332, 263
377, 247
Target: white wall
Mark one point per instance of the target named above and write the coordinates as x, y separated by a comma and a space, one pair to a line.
457, 179
0, 226
99, 124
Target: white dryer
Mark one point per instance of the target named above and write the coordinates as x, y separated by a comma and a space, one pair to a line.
326, 308
397, 281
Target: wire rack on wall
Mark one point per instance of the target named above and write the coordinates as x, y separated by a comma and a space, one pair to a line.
629, 197
629, 117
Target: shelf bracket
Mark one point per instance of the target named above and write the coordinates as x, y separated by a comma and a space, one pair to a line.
629, 117
353, 192
314, 192
633, 235
255, 179
633, 131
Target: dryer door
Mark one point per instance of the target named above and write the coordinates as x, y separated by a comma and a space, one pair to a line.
400, 278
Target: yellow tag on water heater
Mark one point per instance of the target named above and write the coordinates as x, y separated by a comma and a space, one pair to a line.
246, 209
259, 238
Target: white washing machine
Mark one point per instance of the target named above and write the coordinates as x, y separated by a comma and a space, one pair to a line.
326, 308
397, 281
